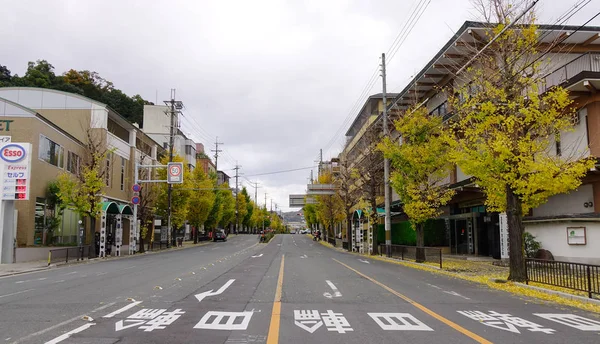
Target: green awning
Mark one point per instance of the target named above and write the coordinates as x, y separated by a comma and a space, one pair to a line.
125, 209
110, 208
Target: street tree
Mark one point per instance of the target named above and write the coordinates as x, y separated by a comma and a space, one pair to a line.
420, 166
329, 207
310, 215
228, 216
247, 219
241, 207
83, 189
148, 196
369, 173
506, 126
180, 196
201, 201
347, 191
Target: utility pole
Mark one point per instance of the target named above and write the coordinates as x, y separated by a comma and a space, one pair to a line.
311, 176
386, 166
175, 107
217, 150
265, 212
237, 220
255, 186
271, 205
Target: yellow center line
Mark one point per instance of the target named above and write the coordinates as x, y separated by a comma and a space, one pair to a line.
273, 336
446, 321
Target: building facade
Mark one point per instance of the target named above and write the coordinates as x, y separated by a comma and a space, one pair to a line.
574, 65
59, 125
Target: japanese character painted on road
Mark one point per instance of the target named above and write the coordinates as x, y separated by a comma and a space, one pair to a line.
311, 320
505, 322
149, 319
572, 320
214, 321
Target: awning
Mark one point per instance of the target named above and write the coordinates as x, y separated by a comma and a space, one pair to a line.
110, 208
125, 209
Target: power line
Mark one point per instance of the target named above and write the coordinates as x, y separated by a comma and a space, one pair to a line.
284, 171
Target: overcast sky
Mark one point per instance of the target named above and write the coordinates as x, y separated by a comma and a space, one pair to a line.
273, 79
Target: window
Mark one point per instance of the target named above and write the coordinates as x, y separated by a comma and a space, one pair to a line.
165, 145
73, 162
123, 170
108, 172
51, 152
188, 150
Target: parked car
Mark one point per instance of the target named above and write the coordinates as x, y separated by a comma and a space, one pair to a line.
220, 235
293, 231
304, 231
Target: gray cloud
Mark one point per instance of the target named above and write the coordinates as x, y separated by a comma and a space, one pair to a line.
273, 79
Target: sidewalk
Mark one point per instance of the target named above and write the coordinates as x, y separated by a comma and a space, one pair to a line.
21, 268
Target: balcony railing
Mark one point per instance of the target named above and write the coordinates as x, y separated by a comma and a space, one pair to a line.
589, 62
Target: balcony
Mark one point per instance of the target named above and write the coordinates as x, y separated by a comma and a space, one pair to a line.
585, 66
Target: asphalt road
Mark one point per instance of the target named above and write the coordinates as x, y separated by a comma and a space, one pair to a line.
291, 290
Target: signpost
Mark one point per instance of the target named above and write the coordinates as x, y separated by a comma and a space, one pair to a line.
175, 173
15, 167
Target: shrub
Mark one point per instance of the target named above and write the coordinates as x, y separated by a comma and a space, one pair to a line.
531, 245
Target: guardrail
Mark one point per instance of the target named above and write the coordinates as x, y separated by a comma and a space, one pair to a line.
425, 254
68, 253
576, 276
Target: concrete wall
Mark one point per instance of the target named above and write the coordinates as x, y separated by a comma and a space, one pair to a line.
571, 203
553, 236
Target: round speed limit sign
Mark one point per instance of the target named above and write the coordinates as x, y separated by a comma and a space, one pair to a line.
174, 171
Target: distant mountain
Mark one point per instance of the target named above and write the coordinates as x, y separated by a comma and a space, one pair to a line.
293, 216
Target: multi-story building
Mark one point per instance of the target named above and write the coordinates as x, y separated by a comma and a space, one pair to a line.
157, 124
568, 224
57, 125
222, 178
203, 160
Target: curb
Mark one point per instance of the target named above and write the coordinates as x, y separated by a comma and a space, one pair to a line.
560, 293
24, 271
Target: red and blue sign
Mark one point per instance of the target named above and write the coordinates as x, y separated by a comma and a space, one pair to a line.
13, 153
136, 188
135, 200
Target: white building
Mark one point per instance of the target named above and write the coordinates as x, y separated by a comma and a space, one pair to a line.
157, 124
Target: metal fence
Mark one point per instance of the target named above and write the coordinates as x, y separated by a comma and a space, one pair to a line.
576, 276
68, 253
426, 254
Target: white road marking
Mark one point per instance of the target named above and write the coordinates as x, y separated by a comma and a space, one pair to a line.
399, 322
59, 281
364, 261
434, 286
218, 324
260, 255
303, 256
455, 294
101, 273
19, 292
129, 267
68, 334
123, 309
31, 280
28, 337
572, 320
70, 273
334, 288
201, 296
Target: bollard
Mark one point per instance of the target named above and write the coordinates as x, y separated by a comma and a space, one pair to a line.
49, 257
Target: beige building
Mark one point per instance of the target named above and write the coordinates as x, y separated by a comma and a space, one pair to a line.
57, 125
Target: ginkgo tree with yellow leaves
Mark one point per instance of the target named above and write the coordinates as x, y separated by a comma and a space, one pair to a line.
201, 200
505, 129
180, 196
420, 164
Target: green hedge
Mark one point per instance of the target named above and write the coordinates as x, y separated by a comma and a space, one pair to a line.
403, 233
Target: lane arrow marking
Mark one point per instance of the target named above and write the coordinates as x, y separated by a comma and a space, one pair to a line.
201, 296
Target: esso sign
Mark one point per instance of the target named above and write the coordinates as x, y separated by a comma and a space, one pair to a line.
12, 153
